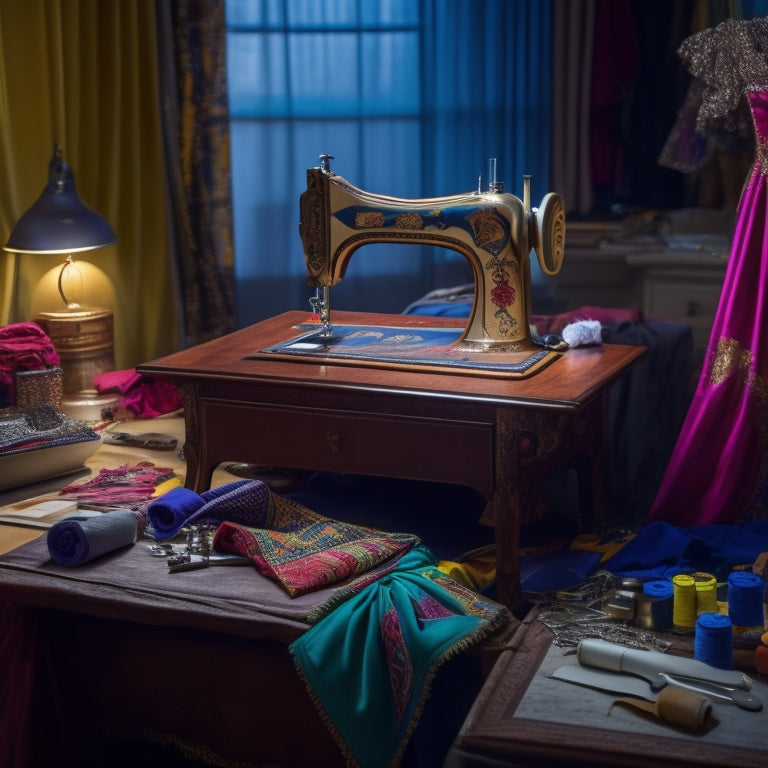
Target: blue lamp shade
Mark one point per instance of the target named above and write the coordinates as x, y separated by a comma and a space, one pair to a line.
59, 222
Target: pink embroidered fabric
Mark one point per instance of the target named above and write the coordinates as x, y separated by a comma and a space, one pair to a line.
129, 485
717, 472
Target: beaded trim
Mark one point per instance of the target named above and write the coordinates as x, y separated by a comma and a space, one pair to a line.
761, 156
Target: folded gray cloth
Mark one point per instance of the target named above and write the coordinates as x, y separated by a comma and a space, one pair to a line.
78, 539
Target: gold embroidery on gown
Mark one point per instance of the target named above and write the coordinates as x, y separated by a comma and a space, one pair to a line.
731, 358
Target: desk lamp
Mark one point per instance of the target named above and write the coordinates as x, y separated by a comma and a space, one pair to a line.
60, 223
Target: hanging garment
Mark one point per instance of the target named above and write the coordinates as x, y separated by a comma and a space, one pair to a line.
717, 472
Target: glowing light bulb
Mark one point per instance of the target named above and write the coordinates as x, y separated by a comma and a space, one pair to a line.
71, 284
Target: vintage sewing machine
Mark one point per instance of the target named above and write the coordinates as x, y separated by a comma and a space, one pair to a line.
495, 231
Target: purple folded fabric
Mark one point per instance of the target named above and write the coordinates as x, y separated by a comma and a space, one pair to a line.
79, 539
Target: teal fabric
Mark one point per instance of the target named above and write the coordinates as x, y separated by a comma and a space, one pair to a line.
368, 664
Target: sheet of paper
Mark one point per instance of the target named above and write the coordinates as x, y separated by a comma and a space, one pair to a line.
43, 509
37, 513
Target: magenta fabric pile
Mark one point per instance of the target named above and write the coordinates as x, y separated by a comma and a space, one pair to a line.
23, 347
144, 398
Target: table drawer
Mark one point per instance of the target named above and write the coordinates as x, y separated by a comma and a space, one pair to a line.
388, 445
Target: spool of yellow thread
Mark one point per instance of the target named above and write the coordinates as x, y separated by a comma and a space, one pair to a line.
684, 606
706, 593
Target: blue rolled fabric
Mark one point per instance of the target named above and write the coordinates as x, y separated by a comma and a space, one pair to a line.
79, 539
168, 513
241, 501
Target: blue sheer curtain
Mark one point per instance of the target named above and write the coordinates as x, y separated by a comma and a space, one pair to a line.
412, 97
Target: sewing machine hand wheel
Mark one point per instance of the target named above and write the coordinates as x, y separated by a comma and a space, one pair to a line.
547, 233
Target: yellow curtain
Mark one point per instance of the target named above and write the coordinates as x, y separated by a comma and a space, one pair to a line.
84, 73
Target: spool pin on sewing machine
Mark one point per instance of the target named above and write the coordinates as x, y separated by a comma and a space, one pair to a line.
495, 231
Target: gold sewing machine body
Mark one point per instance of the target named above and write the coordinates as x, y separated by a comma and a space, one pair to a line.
494, 230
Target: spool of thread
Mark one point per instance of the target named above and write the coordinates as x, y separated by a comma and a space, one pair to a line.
661, 595
713, 642
745, 599
706, 593
761, 655
684, 606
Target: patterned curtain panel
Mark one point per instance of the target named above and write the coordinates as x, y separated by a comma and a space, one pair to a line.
196, 128
573, 24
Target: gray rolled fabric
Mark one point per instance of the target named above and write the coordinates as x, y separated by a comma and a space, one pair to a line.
81, 538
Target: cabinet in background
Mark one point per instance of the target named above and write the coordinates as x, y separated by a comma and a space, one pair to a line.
681, 287
669, 266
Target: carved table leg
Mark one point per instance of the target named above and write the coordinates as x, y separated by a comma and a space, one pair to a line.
530, 443
504, 510
193, 445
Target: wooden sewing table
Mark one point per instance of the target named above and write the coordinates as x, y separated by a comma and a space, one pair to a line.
496, 435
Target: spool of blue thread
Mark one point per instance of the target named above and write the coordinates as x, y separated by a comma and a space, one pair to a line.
713, 641
662, 595
745, 599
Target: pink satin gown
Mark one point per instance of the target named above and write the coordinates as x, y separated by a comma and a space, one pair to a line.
717, 472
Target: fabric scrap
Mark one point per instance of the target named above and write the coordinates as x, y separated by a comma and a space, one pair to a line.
606, 542
561, 570
476, 573
128, 485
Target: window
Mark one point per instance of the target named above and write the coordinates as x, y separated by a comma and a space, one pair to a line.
411, 97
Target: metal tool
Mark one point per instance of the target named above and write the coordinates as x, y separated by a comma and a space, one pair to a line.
603, 680
712, 691
155, 441
190, 562
647, 664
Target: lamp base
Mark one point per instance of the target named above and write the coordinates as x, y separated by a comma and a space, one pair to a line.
84, 339
90, 406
